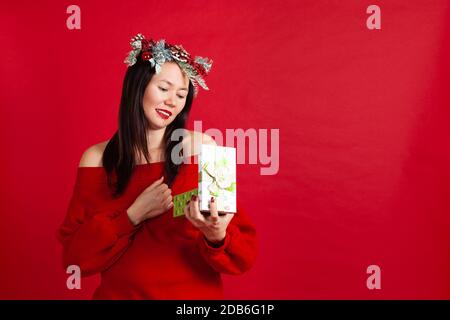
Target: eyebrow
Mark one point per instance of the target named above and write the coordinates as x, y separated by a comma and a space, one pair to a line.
172, 84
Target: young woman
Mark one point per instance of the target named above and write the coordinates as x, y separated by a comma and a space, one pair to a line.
120, 221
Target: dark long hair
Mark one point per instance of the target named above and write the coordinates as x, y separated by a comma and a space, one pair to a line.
131, 136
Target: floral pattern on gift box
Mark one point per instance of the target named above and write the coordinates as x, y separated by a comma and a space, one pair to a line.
217, 177
222, 177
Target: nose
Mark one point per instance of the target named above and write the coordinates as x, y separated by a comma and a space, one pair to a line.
170, 101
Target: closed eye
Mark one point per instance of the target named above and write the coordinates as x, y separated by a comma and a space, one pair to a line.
165, 90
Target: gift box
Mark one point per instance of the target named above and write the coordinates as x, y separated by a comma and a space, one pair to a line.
216, 178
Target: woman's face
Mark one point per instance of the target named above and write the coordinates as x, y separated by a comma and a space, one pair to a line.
165, 95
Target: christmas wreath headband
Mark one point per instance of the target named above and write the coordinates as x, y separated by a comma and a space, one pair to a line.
159, 52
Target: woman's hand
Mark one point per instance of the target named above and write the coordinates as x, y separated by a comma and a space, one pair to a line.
214, 226
153, 201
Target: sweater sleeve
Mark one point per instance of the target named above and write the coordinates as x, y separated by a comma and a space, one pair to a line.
238, 252
96, 240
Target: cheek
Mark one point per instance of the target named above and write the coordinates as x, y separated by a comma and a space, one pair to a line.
180, 107
151, 98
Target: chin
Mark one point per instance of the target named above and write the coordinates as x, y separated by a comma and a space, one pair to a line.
156, 124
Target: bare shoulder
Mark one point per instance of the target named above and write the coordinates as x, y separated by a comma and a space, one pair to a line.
92, 157
193, 140
201, 138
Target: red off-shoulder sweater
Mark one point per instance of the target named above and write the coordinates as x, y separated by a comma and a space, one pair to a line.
161, 258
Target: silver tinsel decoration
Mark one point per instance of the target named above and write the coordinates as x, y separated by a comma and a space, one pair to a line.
162, 53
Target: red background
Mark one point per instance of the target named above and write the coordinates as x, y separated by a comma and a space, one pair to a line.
364, 135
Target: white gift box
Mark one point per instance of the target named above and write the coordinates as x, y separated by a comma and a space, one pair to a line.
217, 177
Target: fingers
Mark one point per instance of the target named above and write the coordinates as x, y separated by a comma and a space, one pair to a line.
167, 202
214, 218
156, 183
187, 211
161, 188
162, 192
167, 193
228, 217
194, 211
170, 205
